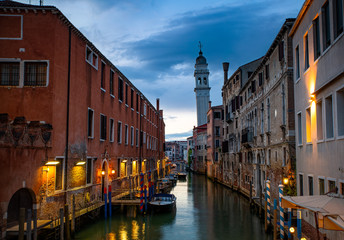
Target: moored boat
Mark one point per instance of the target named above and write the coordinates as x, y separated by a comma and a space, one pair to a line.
182, 176
162, 202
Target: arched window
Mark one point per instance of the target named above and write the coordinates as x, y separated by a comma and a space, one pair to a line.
205, 80
199, 81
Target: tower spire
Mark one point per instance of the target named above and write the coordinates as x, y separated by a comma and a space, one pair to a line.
200, 48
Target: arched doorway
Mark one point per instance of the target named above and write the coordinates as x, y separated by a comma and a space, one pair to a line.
23, 198
105, 174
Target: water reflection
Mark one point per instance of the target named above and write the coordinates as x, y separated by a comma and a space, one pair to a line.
205, 210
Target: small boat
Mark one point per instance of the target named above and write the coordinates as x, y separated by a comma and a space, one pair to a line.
164, 185
173, 178
182, 176
162, 202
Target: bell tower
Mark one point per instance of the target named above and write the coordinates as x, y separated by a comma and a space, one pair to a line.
202, 88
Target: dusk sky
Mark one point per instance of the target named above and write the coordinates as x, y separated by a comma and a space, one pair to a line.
154, 43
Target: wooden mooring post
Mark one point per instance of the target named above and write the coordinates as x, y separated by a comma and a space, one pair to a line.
67, 222
275, 219
35, 222
21, 223
28, 224
73, 216
61, 224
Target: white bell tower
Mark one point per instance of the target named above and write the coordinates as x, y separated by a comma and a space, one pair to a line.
202, 88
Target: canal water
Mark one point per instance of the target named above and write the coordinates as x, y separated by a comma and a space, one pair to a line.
205, 210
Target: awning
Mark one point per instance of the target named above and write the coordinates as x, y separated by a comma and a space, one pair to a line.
330, 209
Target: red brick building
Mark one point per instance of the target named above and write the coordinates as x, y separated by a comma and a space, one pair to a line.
70, 121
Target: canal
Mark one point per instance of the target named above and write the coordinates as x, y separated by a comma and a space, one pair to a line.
205, 210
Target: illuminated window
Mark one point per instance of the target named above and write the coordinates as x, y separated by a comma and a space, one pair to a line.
59, 174
308, 125
9, 73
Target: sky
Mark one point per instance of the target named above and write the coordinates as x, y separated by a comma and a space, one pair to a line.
154, 43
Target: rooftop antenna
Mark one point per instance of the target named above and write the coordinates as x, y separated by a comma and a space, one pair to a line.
200, 47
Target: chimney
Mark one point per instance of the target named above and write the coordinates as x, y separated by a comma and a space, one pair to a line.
209, 104
225, 71
157, 104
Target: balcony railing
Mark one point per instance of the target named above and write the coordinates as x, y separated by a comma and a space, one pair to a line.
247, 135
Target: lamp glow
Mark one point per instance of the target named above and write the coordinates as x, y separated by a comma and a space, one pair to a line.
113, 171
80, 163
292, 229
303, 238
103, 173
285, 181
52, 163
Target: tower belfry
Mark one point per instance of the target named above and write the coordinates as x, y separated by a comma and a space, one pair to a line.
202, 88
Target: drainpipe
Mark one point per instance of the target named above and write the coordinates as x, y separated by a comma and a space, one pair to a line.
158, 122
141, 134
67, 117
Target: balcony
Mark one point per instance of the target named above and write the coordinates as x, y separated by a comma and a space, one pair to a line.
247, 135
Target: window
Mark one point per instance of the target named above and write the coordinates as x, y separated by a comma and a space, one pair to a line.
301, 184
321, 186
90, 123
205, 81
144, 109
308, 126
217, 115
269, 114
216, 156
35, 73
299, 125
338, 17
119, 132
123, 168
120, 89
342, 188
147, 141
260, 81
283, 106
126, 94
297, 62
332, 186
217, 131
137, 102
132, 98
269, 157
319, 115
59, 174
132, 136
137, 137
9, 73
144, 138
310, 185
102, 79
89, 167
112, 130
91, 57
112, 79
267, 73
217, 143
329, 117
316, 38
325, 11
284, 160
126, 136
340, 112
262, 118
306, 52
102, 127
281, 50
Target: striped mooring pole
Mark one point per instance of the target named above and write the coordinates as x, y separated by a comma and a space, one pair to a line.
105, 204
280, 188
110, 203
141, 194
268, 199
145, 192
299, 224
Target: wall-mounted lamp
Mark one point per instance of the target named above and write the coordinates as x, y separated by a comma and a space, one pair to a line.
80, 163
312, 98
52, 163
103, 173
285, 180
124, 160
113, 171
45, 169
292, 230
